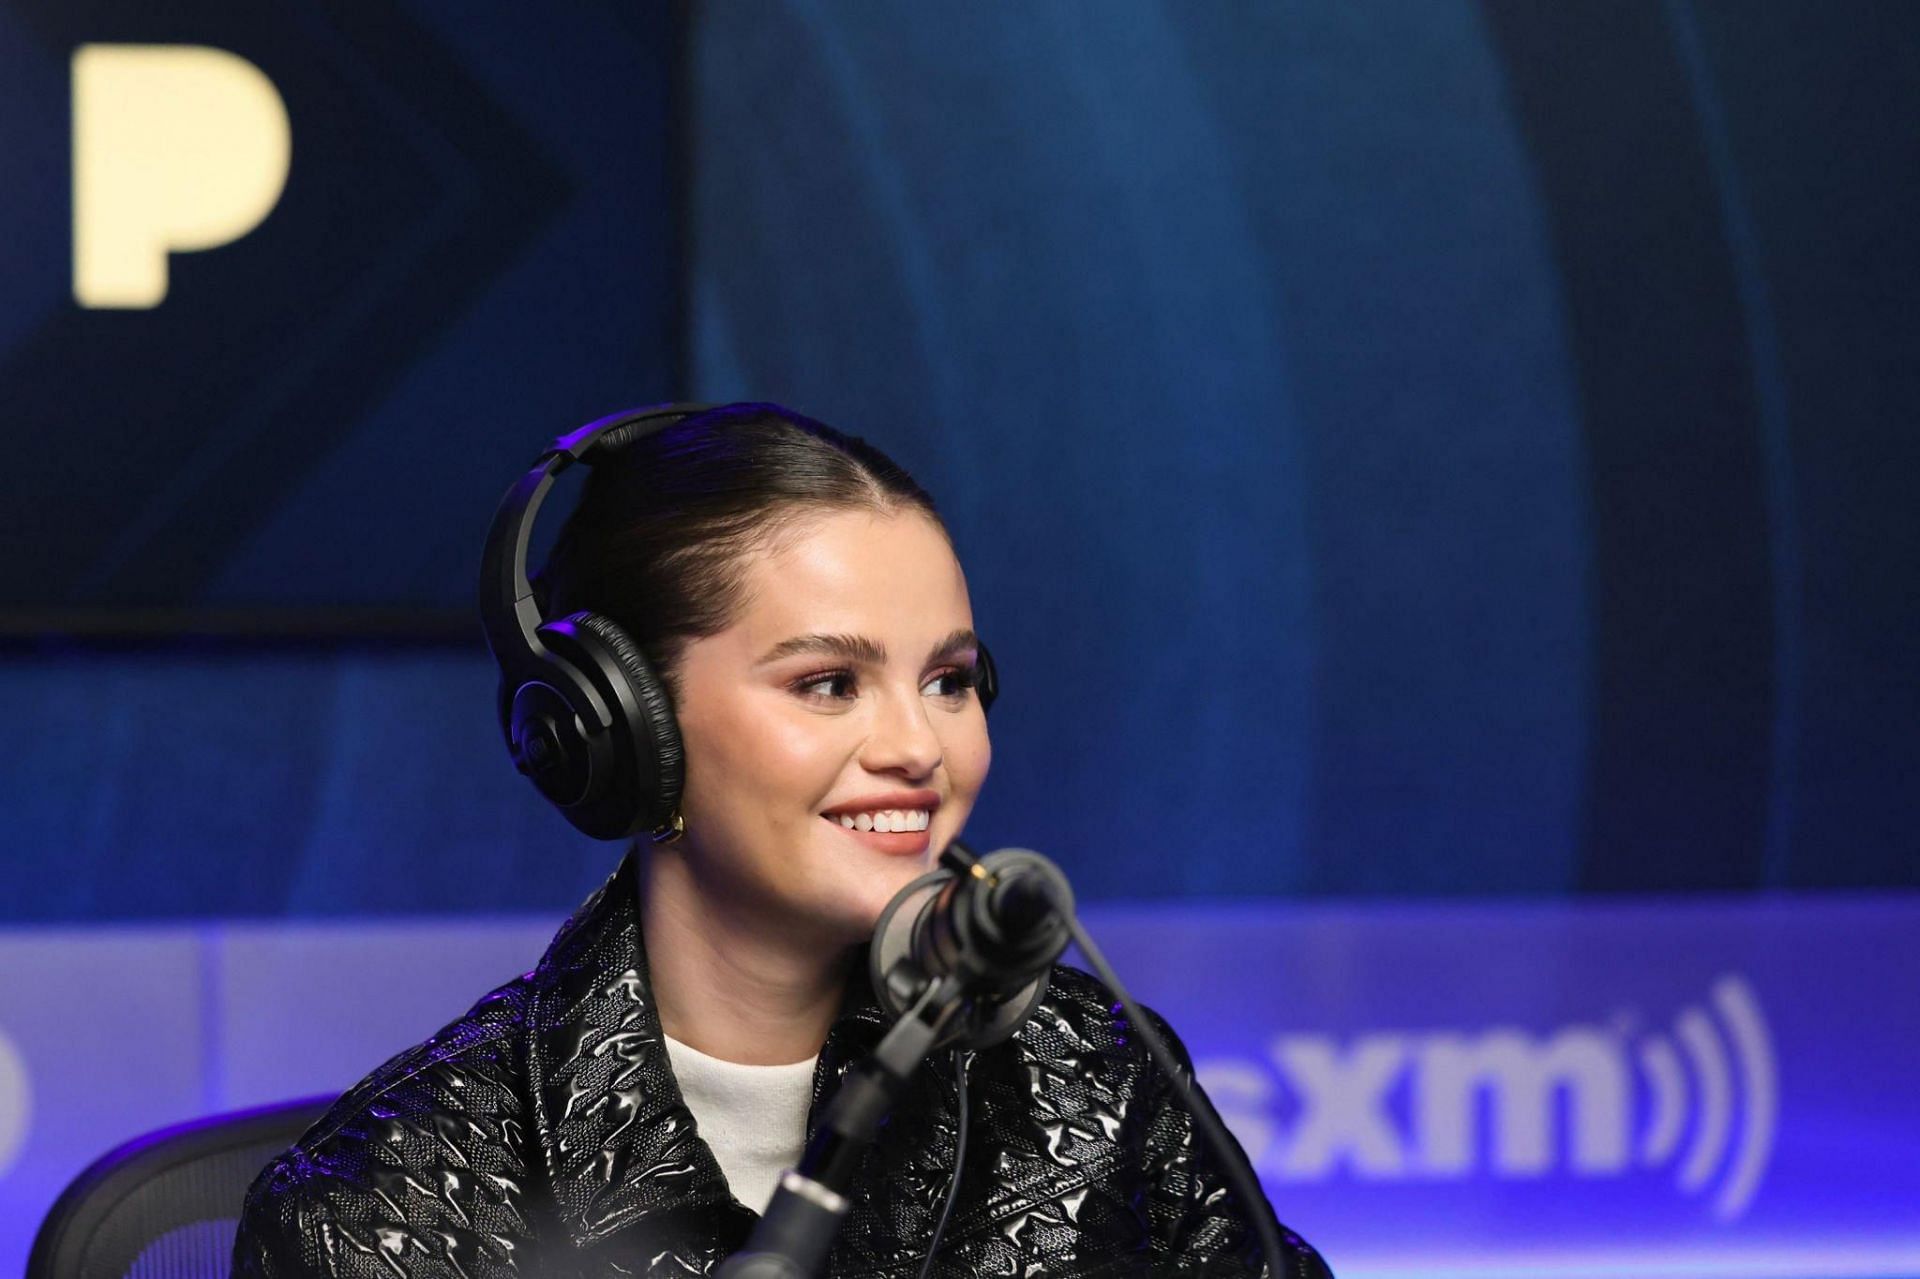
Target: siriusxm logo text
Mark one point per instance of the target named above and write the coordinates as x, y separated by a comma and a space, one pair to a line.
1584, 1100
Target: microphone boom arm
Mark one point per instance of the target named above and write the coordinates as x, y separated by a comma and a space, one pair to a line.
966, 976
796, 1233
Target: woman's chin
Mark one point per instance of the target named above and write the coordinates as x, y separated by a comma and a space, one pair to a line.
876, 896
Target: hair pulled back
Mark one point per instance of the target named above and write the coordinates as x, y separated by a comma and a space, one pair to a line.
659, 539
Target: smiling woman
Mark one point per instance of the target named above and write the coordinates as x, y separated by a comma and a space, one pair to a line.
793, 651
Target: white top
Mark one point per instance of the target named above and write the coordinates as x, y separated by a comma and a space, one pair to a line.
754, 1118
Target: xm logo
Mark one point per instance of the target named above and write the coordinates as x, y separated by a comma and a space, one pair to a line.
1590, 1100
15, 1103
175, 147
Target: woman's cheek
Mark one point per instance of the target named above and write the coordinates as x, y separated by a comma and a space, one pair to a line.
760, 735
976, 752
804, 747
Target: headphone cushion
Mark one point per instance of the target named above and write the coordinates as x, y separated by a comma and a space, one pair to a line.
987, 676
618, 437
657, 720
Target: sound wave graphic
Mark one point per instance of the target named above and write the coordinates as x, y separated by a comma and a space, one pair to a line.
1730, 1086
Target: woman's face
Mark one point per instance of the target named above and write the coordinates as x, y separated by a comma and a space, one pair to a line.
838, 690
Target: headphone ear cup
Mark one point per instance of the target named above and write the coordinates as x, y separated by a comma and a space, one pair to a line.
544, 713
593, 729
655, 768
986, 678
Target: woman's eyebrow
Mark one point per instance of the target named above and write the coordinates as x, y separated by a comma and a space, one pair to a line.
852, 648
954, 645
858, 648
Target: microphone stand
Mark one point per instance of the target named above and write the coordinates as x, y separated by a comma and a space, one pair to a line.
796, 1234
974, 951
802, 1220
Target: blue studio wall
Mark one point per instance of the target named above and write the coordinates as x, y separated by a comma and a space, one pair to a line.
298, 448
1428, 448
1458, 450
1398, 448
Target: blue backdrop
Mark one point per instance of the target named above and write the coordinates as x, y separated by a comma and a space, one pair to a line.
1426, 448
1410, 447
1446, 448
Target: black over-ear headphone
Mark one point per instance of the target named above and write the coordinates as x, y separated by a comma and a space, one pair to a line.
583, 713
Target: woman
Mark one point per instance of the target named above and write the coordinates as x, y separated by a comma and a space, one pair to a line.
626, 1107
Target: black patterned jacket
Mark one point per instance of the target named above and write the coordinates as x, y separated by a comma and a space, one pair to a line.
543, 1135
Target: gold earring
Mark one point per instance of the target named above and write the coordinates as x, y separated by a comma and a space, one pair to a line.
673, 828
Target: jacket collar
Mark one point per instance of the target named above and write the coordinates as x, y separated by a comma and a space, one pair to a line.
616, 1137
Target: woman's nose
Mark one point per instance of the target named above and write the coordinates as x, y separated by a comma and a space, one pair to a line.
903, 738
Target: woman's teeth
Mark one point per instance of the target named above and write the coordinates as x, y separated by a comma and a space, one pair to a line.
887, 820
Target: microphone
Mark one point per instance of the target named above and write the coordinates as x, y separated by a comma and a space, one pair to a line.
961, 957
995, 924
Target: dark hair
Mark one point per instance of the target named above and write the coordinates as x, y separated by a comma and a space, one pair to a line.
657, 541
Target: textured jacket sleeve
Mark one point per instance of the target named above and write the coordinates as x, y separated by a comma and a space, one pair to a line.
274, 1242
1199, 1226
419, 1172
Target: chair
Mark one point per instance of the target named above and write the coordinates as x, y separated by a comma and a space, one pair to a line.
165, 1206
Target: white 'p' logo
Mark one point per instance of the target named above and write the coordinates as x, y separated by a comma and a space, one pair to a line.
16, 1102
175, 147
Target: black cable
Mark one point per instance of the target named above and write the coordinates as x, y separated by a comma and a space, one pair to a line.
959, 1161
1234, 1163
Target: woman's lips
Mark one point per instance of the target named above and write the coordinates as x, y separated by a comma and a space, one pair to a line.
902, 843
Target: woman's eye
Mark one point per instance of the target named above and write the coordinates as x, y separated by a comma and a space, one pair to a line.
952, 683
839, 685
831, 684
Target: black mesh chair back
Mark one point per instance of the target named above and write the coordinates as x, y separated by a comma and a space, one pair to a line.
165, 1206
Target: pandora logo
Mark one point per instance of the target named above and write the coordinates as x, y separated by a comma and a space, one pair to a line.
175, 148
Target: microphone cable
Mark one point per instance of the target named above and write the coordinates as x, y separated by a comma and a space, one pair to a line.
959, 1161
1042, 881
1233, 1161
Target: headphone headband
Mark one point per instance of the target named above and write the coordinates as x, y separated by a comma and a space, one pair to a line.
508, 610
